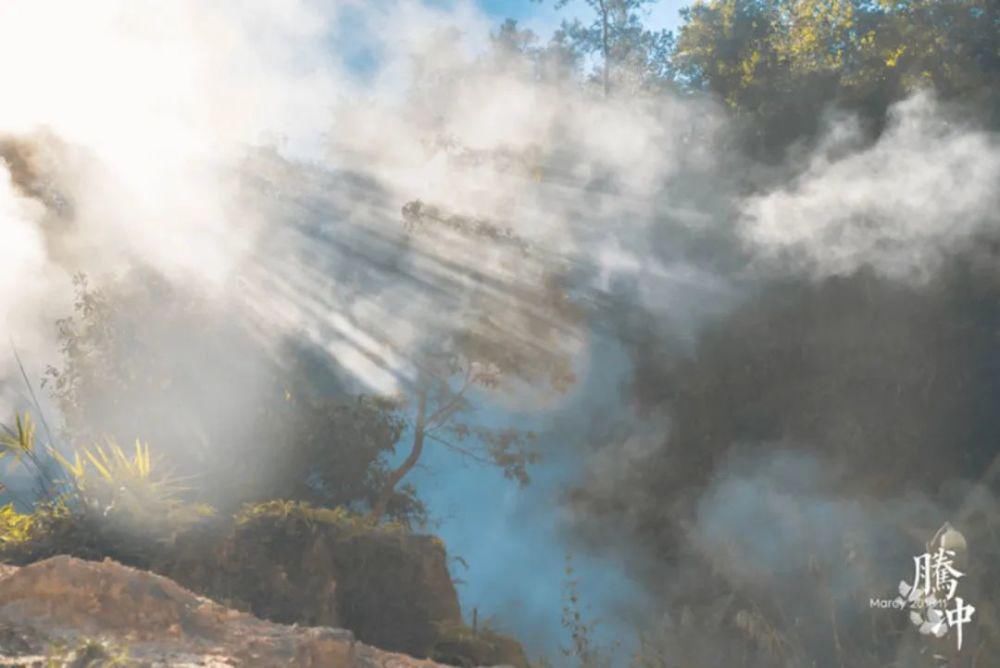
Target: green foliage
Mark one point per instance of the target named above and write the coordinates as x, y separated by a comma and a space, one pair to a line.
778, 64
781, 65
127, 490
514, 48
632, 57
232, 418
53, 528
340, 517
19, 441
102, 502
15, 527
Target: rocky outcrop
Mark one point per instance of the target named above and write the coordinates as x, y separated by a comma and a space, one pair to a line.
288, 563
70, 612
293, 564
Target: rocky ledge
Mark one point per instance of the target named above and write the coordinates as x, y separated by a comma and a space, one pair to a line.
65, 611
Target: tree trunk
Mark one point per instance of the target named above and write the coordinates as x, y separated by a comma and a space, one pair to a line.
605, 47
382, 502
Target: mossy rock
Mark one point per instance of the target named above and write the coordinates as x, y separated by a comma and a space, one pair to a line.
292, 563
460, 645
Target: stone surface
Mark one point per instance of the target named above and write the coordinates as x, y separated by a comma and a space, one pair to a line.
102, 613
289, 563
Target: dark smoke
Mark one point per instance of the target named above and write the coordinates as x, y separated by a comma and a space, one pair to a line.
817, 435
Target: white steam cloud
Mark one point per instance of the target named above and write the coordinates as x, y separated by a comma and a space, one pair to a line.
924, 188
130, 124
126, 119
133, 120
126, 129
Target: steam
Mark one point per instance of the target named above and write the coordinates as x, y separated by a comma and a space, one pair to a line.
224, 148
802, 454
127, 120
925, 188
145, 133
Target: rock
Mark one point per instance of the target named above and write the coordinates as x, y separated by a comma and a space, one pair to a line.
69, 612
295, 564
290, 563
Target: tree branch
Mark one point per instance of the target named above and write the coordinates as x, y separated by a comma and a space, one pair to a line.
445, 411
478, 458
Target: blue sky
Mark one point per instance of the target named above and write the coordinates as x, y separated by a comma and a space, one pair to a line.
662, 14
542, 18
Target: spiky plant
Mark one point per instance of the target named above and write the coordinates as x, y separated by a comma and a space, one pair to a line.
104, 473
103, 479
127, 487
19, 443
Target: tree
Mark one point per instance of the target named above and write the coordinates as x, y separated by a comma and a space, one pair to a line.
627, 50
493, 342
239, 419
557, 61
439, 402
778, 64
